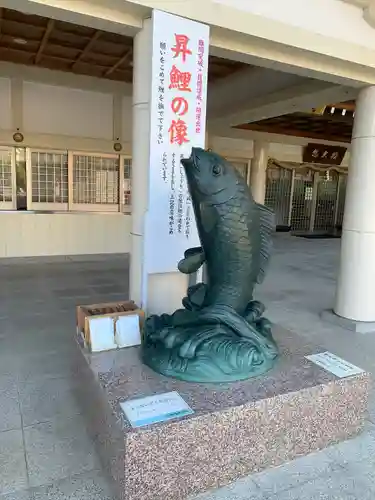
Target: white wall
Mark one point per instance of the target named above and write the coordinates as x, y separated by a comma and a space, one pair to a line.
26, 235
61, 111
65, 111
5, 104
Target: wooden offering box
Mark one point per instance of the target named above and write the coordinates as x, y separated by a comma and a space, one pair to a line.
102, 327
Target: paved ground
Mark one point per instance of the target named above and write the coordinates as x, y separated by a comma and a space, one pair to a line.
45, 452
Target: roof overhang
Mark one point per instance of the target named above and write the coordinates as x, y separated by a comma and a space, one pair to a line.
368, 7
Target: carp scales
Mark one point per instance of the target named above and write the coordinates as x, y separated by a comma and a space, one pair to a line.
235, 232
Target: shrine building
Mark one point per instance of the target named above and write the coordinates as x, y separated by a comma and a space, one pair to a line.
285, 93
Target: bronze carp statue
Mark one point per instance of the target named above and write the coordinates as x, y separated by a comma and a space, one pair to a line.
220, 335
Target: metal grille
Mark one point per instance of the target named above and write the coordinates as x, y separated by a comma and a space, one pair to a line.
278, 192
95, 180
341, 199
302, 200
49, 177
127, 181
6, 194
326, 201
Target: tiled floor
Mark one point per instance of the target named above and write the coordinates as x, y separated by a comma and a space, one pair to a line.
45, 452
299, 286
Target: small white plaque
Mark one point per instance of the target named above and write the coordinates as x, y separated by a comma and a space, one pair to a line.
334, 364
157, 408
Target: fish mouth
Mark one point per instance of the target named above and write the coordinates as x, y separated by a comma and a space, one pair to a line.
193, 160
192, 170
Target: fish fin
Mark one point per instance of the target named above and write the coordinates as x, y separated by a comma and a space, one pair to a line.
267, 227
192, 251
194, 259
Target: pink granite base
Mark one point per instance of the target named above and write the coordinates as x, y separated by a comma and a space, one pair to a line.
237, 429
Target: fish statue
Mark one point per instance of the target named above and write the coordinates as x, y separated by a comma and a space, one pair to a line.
220, 335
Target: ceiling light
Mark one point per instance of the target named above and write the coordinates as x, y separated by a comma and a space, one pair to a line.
20, 41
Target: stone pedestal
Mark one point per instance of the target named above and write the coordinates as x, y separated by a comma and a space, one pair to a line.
236, 429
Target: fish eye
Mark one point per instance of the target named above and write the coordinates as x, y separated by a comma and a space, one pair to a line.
216, 169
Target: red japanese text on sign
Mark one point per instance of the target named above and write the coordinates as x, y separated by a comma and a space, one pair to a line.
180, 106
181, 47
179, 80
178, 132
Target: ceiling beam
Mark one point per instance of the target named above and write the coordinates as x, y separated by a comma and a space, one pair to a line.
231, 94
235, 34
348, 106
64, 78
87, 48
66, 60
258, 94
43, 43
126, 57
331, 118
252, 135
8, 39
271, 129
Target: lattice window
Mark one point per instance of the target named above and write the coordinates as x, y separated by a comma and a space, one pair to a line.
47, 181
6, 178
95, 182
66, 180
127, 162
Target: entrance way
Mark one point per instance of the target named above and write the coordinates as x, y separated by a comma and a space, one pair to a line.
305, 198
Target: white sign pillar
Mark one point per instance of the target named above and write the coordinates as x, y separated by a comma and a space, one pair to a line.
169, 117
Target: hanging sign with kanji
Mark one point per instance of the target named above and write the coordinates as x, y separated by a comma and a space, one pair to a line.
178, 117
323, 154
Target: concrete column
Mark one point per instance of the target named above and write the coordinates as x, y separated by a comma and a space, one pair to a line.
355, 295
164, 291
258, 171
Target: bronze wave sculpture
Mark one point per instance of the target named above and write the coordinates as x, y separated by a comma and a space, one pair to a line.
220, 335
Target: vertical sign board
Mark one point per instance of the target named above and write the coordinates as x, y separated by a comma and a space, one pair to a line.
178, 119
